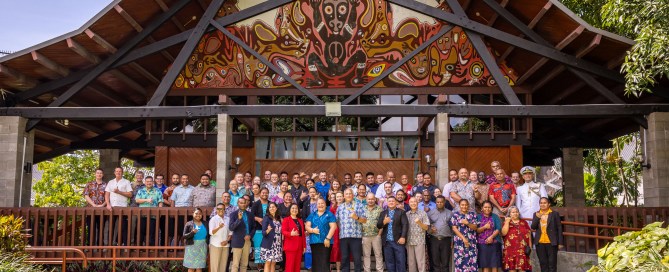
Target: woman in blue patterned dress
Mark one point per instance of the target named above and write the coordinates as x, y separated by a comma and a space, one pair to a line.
271, 247
464, 224
195, 239
258, 210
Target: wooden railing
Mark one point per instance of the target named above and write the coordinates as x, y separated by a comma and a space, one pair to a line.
585, 229
588, 229
63, 260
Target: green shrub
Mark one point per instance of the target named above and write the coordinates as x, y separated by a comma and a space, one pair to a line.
16, 262
643, 251
11, 238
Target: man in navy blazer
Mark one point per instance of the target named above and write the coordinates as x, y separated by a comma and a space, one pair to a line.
242, 227
395, 225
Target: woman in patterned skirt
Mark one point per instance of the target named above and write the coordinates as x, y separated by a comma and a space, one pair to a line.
464, 224
271, 247
195, 239
517, 236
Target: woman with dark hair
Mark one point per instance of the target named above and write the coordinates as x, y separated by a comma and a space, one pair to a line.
308, 207
489, 238
548, 227
464, 224
517, 237
294, 243
259, 209
321, 226
335, 254
195, 239
283, 189
271, 248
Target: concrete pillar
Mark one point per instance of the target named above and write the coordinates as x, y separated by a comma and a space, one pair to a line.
572, 177
16, 151
441, 130
223, 154
656, 178
109, 160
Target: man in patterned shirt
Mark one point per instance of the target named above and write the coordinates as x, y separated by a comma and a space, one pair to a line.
273, 185
350, 217
204, 195
370, 235
463, 188
148, 196
418, 225
502, 194
94, 193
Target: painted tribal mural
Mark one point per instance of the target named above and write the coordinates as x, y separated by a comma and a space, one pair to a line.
336, 43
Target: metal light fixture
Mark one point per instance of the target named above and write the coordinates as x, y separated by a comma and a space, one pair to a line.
235, 166
428, 160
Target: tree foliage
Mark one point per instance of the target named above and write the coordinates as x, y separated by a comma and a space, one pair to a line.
64, 178
611, 173
645, 21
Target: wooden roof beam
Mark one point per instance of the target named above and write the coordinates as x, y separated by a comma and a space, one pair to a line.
557, 70
128, 18
496, 15
531, 25
562, 44
174, 20
112, 49
49, 64
24, 82
59, 134
92, 58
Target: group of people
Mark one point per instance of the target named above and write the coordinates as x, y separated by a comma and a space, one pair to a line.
481, 222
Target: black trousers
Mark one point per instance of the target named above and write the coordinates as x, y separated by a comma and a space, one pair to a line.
547, 254
320, 256
351, 246
143, 231
95, 225
440, 253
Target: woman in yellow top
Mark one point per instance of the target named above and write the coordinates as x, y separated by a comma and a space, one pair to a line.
548, 227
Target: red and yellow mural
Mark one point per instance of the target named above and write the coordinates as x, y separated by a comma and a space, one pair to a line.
336, 43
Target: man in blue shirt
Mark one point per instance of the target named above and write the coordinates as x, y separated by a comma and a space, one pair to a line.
242, 227
395, 225
371, 184
322, 185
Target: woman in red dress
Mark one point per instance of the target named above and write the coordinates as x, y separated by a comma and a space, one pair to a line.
294, 243
517, 235
335, 255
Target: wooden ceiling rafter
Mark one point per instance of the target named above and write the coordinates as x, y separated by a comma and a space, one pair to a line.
561, 45
174, 20
25, 82
559, 69
112, 49
128, 18
535, 20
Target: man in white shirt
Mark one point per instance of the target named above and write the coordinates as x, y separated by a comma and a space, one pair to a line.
452, 178
117, 194
390, 178
219, 241
529, 194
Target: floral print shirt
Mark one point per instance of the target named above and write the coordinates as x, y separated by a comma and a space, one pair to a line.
96, 192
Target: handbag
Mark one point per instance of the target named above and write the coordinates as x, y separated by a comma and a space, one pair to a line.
528, 250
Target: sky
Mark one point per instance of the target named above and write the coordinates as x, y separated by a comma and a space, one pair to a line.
24, 23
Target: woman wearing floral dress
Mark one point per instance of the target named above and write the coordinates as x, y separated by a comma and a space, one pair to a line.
195, 238
271, 247
464, 224
517, 235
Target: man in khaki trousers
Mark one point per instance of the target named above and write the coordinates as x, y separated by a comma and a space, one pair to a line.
371, 238
242, 226
219, 240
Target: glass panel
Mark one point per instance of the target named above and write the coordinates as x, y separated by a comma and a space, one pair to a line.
263, 148
391, 124
410, 123
325, 123
304, 124
283, 124
348, 148
411, 145
369, 147
326, 148
304, 147
283, 148
392, 148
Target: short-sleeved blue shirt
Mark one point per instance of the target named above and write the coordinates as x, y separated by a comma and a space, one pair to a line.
321, 222
322, 188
